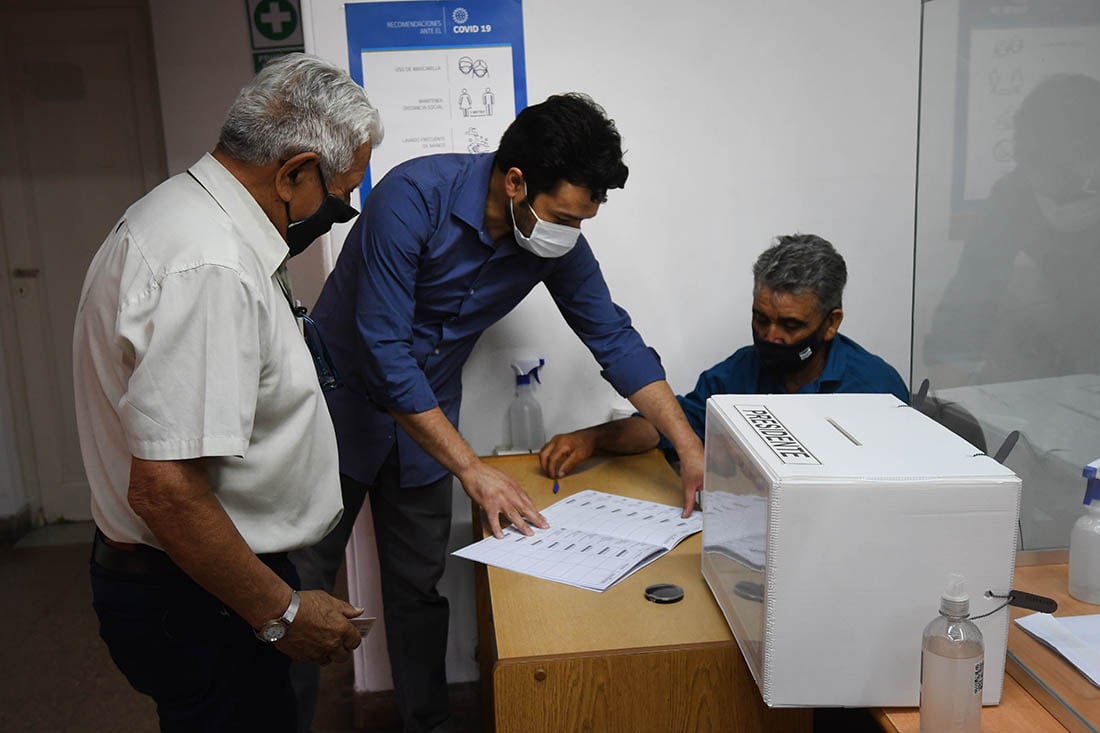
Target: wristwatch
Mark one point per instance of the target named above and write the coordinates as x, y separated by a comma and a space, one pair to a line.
276, 629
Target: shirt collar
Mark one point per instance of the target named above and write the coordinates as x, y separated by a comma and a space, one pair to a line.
836, 361
470, 202
254, 228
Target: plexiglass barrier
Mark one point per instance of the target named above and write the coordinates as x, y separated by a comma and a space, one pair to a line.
1006, 327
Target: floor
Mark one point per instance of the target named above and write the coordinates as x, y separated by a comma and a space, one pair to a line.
57, 675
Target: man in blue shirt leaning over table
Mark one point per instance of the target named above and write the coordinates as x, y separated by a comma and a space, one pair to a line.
796, 315
446, 246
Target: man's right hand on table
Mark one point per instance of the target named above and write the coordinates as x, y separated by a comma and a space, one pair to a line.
565, 451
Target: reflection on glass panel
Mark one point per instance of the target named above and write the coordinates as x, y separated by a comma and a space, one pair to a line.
1007, 276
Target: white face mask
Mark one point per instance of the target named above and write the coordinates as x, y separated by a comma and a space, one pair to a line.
547, 239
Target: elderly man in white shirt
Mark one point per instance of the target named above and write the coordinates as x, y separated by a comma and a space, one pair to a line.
204, 430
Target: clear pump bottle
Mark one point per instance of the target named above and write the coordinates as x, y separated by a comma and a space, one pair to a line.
525, 427
1084, 544
952, 667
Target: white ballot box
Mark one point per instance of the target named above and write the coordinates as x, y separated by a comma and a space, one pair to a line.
830, 526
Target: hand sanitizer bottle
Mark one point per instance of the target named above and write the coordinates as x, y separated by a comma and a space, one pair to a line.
525, 428
952, 666
1084, 543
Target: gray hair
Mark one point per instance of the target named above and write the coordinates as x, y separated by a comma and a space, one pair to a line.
299, 103
803, 263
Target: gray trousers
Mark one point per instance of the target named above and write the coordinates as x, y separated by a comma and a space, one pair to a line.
411, 527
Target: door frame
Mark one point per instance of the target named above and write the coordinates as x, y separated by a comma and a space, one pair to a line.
20, 422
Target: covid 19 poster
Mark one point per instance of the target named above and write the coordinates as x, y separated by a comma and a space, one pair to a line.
445, 76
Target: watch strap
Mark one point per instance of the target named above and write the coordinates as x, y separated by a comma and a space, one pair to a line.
291, 610
276, 629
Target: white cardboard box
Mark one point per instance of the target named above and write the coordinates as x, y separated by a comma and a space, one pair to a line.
830, 526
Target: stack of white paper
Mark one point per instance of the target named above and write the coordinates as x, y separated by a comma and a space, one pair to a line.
1077, 638
594, 541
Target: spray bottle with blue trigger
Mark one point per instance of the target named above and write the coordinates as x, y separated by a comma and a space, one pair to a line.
525, 428
1084, 542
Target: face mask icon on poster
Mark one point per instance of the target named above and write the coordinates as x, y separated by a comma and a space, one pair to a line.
473, 67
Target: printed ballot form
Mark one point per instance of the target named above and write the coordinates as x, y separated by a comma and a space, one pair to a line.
594, 541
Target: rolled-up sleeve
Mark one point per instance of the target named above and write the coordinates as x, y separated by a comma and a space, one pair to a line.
395, 224
578, 288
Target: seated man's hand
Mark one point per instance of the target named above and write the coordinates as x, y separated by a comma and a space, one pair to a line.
563, 452
321, 632
497, 493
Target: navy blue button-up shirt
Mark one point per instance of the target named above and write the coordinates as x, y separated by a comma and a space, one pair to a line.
418, 281
849, 369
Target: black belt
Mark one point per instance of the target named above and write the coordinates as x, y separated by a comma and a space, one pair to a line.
145, 560
141, 560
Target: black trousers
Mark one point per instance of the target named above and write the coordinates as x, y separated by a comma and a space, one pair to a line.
175, 642
411, 527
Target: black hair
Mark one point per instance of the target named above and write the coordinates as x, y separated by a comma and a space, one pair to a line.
566, 138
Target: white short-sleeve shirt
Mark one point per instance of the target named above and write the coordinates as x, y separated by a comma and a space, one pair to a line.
185, 346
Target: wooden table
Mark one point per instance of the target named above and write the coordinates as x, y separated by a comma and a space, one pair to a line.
1055, 683
1042, 691
1018, 712
561, 658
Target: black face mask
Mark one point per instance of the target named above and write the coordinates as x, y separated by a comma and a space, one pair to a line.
787, 358
301, 234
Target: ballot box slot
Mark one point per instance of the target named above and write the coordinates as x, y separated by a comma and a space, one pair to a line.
842, 431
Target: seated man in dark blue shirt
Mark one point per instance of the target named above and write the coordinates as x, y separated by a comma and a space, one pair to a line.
796, 313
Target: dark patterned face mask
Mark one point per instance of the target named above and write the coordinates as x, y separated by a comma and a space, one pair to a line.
787, 358
301, 234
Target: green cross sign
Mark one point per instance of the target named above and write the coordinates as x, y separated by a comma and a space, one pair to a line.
276, 29
275, 19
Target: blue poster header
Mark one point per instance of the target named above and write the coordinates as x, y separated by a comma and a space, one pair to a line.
433, 24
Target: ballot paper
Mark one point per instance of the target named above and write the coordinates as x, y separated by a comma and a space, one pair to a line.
1077, 638
594, 541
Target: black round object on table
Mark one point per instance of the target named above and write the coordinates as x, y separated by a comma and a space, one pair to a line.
664, 593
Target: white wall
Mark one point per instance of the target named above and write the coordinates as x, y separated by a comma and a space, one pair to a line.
203, 57
741, 121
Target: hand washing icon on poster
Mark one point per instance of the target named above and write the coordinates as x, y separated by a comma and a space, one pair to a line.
445, 78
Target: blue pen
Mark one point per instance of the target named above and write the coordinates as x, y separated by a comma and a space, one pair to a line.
555, 486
